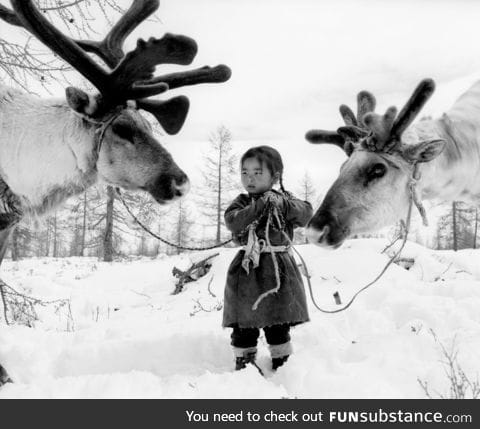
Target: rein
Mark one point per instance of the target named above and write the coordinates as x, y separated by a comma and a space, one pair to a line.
148, 231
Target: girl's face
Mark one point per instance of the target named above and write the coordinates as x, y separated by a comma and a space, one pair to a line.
256, 177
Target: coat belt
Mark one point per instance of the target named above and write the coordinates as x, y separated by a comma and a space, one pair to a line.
269, 249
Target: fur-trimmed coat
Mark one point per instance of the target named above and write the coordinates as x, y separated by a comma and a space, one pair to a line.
288, 305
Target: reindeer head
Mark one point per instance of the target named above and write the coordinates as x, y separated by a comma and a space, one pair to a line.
128, 154
372, 188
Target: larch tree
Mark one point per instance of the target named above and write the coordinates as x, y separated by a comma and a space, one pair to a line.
456, 228
219, 179
306, 192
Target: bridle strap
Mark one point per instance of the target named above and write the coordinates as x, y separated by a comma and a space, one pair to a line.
100, 132
102, 126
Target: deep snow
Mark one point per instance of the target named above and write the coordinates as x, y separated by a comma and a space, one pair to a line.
131, 338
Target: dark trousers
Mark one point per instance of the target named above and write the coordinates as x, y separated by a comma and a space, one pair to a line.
247, 337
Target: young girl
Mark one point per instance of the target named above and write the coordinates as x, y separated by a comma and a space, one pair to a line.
264, 287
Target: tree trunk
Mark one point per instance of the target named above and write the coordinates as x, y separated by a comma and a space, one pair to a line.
84, 224
15, 253
157, 242
108, 237
47, 239
475, 231
55, 236
179, 227
454, 217
219, 197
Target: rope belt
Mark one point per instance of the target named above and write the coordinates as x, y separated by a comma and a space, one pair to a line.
269, 249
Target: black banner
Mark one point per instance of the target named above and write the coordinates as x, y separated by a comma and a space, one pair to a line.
199, 414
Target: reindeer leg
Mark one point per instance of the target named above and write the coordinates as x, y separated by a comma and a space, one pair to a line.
10, 208
4, 236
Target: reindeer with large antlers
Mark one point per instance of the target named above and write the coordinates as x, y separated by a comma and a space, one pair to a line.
51, 149
372, 190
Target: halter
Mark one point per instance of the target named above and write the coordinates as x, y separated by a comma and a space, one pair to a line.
103, 125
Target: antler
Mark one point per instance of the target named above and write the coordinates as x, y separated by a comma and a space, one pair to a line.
412, 107
110, 49
386, 131
376, 132
9, 16
354, 129
132, 75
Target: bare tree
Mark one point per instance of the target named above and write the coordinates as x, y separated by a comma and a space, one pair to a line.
219, 176
457, 228
306, 192
182, 225
306, 189
475, 229
108, 234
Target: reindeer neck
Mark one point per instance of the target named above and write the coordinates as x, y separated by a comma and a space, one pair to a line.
455, 173
47, 140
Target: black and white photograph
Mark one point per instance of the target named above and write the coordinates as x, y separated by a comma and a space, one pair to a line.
256, 199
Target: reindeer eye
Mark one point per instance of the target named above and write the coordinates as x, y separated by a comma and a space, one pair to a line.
376, 171
123, 131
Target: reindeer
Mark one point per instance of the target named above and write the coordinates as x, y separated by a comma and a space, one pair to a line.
51, 149
372, 190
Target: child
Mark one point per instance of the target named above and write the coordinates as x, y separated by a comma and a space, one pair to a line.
264, 287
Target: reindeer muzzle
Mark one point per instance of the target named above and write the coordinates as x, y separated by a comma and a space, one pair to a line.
324, 230
169, 187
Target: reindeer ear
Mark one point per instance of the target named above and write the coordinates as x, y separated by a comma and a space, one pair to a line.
80, 101
424, 151
171, 114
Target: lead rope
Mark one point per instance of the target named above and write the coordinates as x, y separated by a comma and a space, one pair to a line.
414, 199
178, 246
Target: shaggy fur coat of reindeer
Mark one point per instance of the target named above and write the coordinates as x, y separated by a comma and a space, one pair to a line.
455, 173
43, 144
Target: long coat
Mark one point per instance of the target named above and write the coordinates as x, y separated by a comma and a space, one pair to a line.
288, 305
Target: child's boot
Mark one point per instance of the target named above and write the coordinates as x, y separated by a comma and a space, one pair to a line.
244, 356
279, 361
280, 354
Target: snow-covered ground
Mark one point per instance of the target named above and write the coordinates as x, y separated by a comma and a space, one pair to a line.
130, 337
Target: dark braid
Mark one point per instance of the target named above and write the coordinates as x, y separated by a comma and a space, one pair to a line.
286, 193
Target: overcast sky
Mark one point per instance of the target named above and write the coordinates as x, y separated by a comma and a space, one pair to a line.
295, 61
